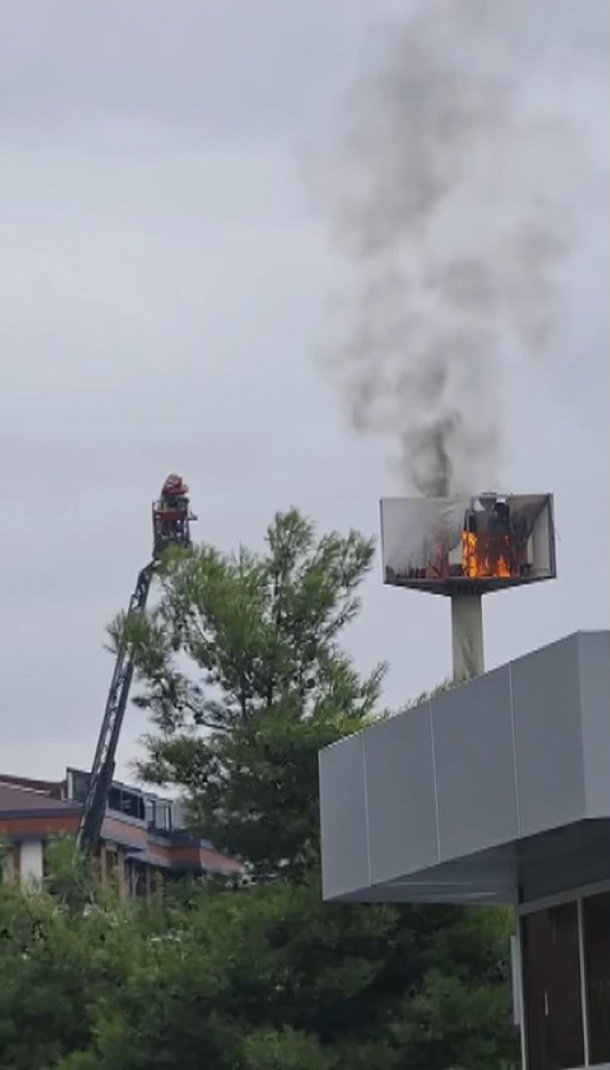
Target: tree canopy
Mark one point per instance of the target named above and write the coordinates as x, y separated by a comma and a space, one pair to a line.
246, 681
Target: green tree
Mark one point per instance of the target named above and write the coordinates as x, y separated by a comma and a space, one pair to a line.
271, 685
245, 680
55, 965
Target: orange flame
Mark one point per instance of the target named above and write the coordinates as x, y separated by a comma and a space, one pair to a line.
480, 559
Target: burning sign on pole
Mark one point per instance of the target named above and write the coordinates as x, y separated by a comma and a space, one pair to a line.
459, 544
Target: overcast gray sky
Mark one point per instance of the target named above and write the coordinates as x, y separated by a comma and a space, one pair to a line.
166, 294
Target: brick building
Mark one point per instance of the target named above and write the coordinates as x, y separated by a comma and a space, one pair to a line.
143, 835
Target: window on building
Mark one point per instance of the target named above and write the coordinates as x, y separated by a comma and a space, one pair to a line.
596, 937
552, 988
132, 804
126, 802
77, 785
163, 816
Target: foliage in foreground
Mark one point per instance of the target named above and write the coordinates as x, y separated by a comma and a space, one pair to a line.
258, 979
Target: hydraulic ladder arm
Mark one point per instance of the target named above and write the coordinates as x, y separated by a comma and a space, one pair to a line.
171, 517
102, 770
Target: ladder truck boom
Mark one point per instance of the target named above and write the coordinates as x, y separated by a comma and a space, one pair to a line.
171, 519
102, 770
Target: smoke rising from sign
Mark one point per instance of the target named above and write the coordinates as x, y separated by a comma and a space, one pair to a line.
469, 151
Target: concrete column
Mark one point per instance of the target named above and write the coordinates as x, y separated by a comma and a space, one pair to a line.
467, 634
31, 862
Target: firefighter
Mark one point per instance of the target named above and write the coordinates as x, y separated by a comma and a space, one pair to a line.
174, 493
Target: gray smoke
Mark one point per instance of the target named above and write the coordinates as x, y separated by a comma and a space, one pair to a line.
470, 146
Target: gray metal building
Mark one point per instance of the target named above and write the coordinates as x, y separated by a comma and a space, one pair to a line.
497, 791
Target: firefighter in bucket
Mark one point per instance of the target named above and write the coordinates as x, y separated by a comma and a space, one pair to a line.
172, 515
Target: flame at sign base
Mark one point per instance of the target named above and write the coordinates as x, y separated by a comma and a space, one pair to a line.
485, 557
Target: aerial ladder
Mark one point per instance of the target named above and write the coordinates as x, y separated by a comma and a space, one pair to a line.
171, 527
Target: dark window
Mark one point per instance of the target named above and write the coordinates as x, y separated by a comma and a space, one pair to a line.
163, 816
80, 784
132, 804
552, 988
126, 802
596, 925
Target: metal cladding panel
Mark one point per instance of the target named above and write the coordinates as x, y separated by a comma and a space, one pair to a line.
400, 793
548, 737
343, 818
514, 772
594, 662
475, 768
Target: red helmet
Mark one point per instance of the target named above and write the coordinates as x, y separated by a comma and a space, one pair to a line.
174, 484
